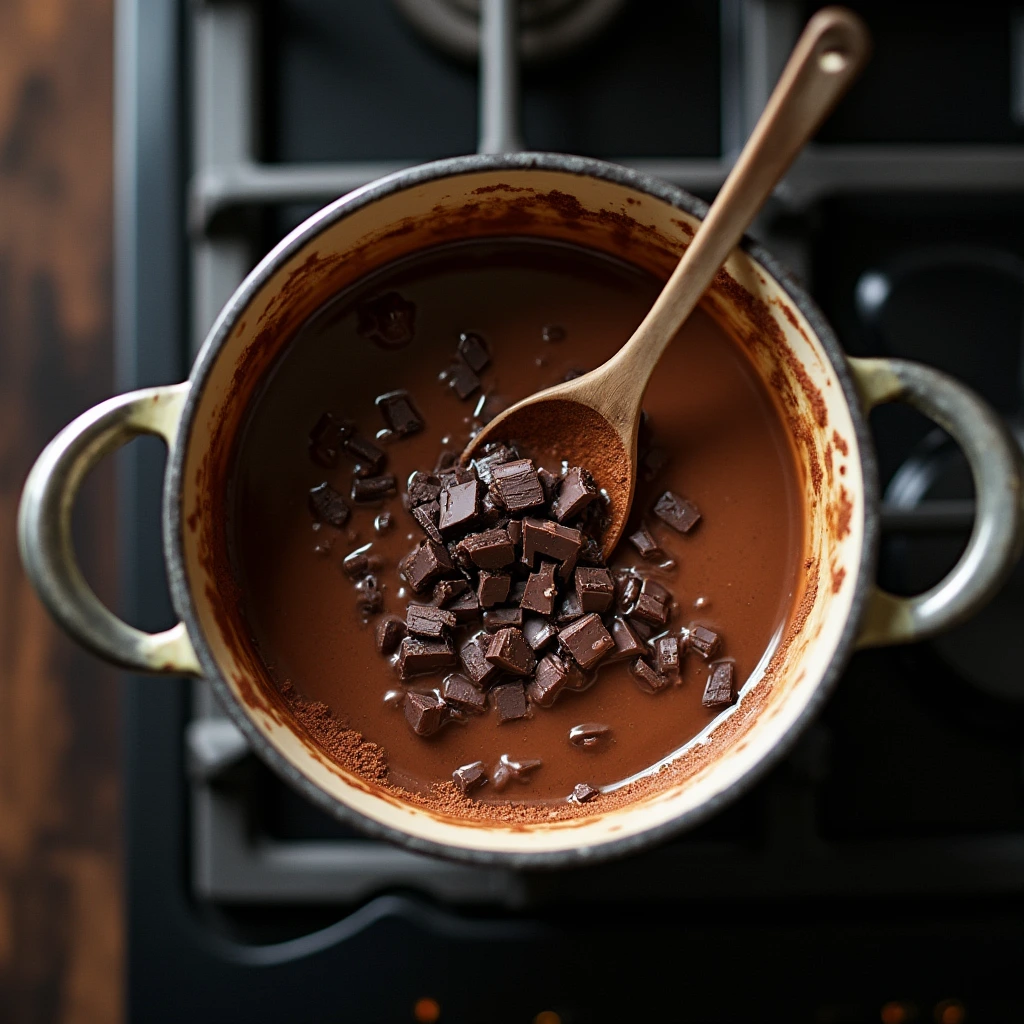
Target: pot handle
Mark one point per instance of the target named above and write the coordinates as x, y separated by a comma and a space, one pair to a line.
44, 529
998, 534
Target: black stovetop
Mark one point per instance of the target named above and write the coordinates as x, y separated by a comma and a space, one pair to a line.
879, 872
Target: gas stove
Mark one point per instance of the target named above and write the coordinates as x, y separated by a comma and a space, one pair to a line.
879, 872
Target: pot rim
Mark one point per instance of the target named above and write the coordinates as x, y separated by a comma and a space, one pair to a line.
173, 518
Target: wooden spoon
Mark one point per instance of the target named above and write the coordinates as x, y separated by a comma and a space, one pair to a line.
592, 421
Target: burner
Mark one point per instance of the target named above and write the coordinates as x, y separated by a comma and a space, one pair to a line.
549, 28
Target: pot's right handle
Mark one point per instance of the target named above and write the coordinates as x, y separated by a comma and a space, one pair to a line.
996, 465
44, 530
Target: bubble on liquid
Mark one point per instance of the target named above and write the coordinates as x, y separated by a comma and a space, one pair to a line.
702, 602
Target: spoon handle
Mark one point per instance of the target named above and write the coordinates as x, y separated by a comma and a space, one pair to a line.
827, 58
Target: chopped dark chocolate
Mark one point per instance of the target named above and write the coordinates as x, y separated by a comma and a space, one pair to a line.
388, 321
461, 379
704, 641
643, 629
576, 492
654, 589
371, 458
583, 792
719, 690
326, 439
539, 633
472, 654
550, 482
491, 513
506, 770
649, 609
647, 679
427, 516
383, 522
543, 537
469, 776
541, 590
517, 485
420, 488
427, 620
680, 514
465, 607
627, 643
548, 681
587, 640
370, 599
389, 634
491, 549
459, 692
357, 563
588, 734
328, 506
646, 545
424, 712
666, 656
494, 455
510, 702
627, 590
474, 351
492, 588
510, 651
417, 656
515, 532
569, 609
595, 589
446, 590
459, 506
373, 488
425, 564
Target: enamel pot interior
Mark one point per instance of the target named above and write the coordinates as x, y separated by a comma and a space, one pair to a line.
617, 212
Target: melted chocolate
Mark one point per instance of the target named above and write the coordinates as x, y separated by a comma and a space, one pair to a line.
727, 452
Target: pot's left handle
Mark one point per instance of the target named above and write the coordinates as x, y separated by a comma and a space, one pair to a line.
44, 530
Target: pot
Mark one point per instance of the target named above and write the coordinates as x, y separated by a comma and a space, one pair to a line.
824, 396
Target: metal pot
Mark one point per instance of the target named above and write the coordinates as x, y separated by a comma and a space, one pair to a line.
825, 395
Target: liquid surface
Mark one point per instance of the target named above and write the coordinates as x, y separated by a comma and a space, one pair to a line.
727, 451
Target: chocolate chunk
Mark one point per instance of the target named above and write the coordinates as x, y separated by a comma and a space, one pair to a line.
465, 607
420, 488
518, 485
666, 656
492, 588
591, 554
446, 590
373, 488
627, 643
550, 482
494, 455
389, 634
328, 506
472, 654
587, 640
457, 474
627, 590
652, 606
647, 679
589, 734
459, 506
459, 692
473, 351
383, 522
655, 590
553, 333
543, 537
510, 702
370, 600
704, 641
509, 650
539, 633
371, 458
400, 415
427, 620
427, 516
594, 589
326, 439
646, 545
506, 770
719, 691
424, 712
388, 321
576, 492
491, 549
515, 532
417, 656
643, 629
469, 776
549, 680
461, 379
569, 609
583, 792
576, 679
425, 564
357, 563
541, 590
491, 513
680, 514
